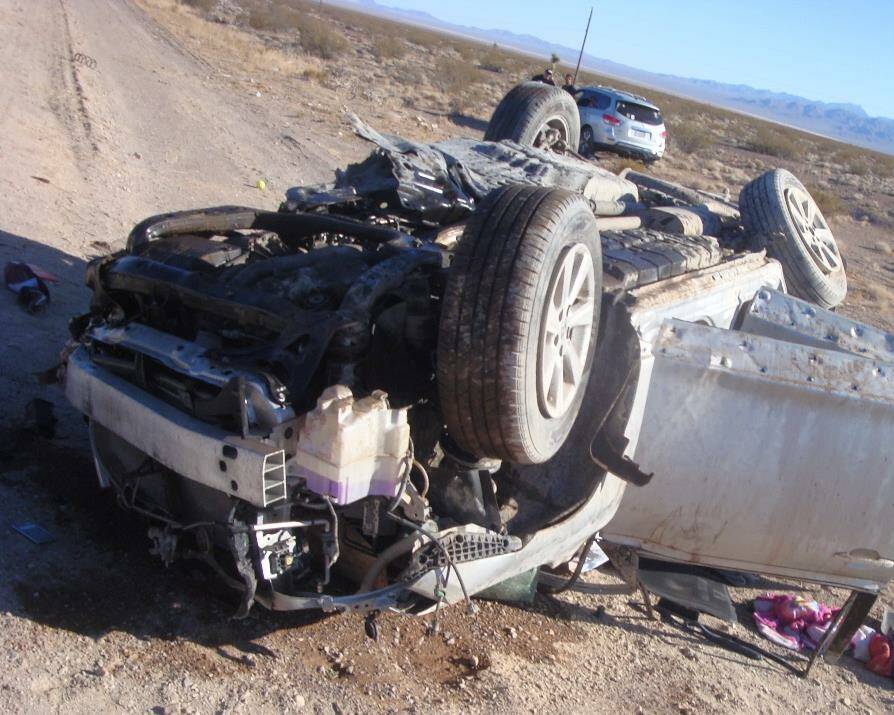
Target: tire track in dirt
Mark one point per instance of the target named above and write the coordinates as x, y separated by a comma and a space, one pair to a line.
162, 34
70, 100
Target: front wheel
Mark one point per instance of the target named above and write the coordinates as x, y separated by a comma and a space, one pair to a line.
519, 322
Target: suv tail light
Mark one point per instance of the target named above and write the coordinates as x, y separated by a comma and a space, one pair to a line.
609, 119
664, 134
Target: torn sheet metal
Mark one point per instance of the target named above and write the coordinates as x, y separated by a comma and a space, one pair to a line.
768, 455
495, 164
440, 183
784, 317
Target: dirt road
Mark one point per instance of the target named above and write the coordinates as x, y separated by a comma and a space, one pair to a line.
91, 622
88, 149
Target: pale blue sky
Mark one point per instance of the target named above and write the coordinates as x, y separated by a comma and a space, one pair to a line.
832, 51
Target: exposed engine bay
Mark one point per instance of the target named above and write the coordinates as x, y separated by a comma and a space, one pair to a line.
313, 346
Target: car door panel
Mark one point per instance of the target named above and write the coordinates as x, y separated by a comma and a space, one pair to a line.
769, 455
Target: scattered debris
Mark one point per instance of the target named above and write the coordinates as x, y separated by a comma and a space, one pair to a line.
34, 532
593, 559
44, 275
793, 622
28, 284
40, 418
85, 60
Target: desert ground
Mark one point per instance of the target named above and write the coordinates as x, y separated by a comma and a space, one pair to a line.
185, 104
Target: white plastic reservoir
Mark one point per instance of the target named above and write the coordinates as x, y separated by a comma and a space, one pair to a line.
349, 449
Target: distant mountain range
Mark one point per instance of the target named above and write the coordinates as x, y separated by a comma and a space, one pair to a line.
845, 122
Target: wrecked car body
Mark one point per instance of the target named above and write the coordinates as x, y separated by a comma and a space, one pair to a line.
446, 369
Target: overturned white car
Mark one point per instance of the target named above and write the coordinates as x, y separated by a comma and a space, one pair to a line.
459, 361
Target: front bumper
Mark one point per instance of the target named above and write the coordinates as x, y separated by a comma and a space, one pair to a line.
250, 469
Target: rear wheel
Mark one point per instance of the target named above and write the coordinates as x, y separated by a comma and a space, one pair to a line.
782, 217
519, 322
538, 115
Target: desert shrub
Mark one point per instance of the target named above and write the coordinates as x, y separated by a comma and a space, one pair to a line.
456, 76
388, 47
467, 51
411, 75
493, 60
690, 138
317, 39
773, 142
853, 160
314, 74
421, 37
871, 212
273, 18
829, 203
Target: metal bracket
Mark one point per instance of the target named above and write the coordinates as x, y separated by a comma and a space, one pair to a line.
842, 629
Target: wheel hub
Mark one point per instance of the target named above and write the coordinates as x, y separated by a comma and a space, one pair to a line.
554, 132
566, 331
813, 230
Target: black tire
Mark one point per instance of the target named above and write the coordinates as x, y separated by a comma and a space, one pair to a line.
493, 322
817, 276
527, 108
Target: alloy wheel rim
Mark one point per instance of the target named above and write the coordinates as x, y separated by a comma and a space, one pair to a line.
813, 230
554, 130
566, 331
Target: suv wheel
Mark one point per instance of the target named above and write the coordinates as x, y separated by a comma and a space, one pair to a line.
519, 323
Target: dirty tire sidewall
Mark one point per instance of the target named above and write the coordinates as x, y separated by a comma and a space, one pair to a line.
492, 319
527, 107
765, 217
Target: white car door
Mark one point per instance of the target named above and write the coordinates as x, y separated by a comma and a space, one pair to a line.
771, 447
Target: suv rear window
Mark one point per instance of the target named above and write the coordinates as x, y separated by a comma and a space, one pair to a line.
639, 113
596, 100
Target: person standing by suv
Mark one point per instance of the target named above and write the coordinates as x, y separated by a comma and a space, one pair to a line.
569, 85
546, 77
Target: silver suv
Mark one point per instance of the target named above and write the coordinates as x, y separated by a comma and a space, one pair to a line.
622, 122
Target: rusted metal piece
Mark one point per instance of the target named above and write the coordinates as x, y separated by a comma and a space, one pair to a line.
837, 637
625, 560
